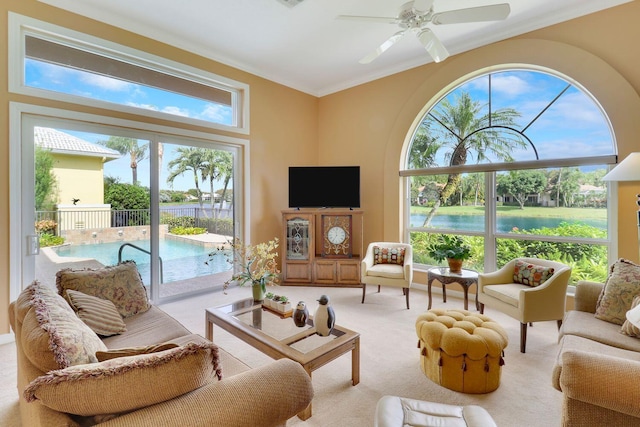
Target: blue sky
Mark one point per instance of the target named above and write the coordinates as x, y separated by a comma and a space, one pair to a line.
572, 126
89, 85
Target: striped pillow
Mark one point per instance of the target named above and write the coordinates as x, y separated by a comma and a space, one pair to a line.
99, 314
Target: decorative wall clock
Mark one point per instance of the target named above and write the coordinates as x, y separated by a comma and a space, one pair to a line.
336, 236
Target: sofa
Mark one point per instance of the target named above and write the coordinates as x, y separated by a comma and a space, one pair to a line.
597, 366
143, 369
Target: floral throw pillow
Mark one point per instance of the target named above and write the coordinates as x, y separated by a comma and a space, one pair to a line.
621, 287
383, 255
121, 284
531, 274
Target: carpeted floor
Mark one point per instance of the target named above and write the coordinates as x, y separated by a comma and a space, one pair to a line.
388, 360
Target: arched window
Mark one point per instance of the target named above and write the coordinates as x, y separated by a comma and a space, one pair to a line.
512, 161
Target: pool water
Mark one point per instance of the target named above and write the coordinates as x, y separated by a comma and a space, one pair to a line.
180, 260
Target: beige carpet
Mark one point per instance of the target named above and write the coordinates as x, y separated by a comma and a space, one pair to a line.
388, 361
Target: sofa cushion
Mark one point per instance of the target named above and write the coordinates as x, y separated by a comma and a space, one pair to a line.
508, 293
151, 327
531, 274
621, 287
584, 324
627, 327
133, 351
99, 314
126, 383
382, 255
389, 271
121, 284
53, 337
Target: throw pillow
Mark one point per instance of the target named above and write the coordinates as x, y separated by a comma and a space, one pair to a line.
99, 314
53, 336
621, 287
531, 274
133, 351
382, 255
121, 284
627, 327
126, 383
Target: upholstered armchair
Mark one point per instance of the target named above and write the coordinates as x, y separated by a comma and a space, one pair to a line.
520, 294
387, 264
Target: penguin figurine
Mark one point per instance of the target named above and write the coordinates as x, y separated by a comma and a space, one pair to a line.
300, 314
324, 318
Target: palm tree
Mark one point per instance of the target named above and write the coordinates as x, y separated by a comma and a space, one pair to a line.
468, 133
188, 159
129, 146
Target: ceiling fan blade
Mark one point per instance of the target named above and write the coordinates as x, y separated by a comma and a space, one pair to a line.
383, 47
433, 45
376, 19
421, 7
494, 12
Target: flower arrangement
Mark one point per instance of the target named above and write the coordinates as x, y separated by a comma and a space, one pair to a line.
257, 263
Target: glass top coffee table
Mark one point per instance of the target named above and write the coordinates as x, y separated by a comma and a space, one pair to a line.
279, 337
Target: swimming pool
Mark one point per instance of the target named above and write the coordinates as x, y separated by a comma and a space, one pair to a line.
180, 260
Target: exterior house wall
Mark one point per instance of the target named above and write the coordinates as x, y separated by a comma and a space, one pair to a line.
369, 125
79, 177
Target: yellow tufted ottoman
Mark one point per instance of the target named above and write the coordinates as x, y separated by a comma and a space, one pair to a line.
461, 350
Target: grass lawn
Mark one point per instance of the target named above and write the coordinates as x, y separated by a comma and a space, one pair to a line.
533, 211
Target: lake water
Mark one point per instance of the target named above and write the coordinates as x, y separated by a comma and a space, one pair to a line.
504, 224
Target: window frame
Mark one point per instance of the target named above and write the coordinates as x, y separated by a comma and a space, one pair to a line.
490, 234
21, 26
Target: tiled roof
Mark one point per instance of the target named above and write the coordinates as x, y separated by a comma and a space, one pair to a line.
60, 142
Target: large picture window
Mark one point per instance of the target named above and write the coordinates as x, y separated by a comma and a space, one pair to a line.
513, 162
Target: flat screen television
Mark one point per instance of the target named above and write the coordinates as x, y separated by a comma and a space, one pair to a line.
324, 186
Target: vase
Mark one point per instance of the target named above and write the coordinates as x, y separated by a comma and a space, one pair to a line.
455, 265
259, 290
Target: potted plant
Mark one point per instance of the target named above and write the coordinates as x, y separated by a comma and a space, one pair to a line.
283, 304
451, 248
253, 264
268, 299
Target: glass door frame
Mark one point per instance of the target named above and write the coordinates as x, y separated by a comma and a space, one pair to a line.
22, 119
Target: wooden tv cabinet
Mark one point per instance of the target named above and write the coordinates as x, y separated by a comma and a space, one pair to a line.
307, 253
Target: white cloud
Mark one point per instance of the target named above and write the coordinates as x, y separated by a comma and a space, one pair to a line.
509, 85
105, 83
217, 113
176, 111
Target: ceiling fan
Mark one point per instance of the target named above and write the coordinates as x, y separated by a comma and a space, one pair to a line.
414, 16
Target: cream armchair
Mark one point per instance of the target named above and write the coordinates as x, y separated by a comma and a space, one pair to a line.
377, 269
523, 302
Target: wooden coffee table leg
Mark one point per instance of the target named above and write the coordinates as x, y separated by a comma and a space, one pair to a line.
306, 413
355, 363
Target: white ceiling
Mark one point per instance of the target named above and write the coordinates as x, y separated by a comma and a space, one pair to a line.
305, 47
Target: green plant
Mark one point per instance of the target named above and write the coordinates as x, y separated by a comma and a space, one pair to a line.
284, 299
448, 246
269, 295
47, 239
188, 230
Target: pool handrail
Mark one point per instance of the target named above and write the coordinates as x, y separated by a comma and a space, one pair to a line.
140, 249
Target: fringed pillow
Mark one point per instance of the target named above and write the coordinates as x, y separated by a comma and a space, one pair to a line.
127, 383
121, 284
53, 336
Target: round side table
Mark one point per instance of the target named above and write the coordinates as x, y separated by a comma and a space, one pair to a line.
465, 278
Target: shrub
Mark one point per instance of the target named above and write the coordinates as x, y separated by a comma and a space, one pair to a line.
47, 239
186, 231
